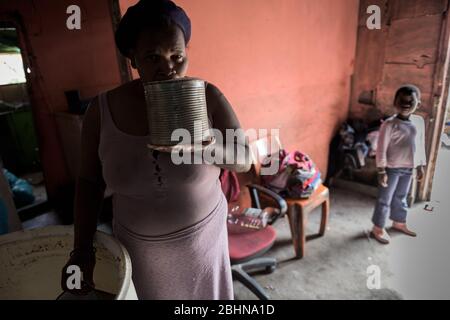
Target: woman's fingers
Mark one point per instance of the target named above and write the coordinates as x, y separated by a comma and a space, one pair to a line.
78, 275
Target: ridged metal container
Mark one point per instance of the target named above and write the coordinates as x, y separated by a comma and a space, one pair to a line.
175, 104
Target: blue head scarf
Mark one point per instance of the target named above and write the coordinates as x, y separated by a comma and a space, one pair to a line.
149, 13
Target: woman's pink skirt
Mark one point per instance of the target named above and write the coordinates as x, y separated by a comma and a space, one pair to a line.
192, 263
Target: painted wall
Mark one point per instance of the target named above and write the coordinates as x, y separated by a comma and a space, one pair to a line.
281, 63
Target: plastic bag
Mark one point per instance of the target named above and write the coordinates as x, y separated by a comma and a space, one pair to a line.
21, 189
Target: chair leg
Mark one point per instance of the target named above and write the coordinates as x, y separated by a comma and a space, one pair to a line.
297, 222
324, 218
303, 216
240, 275
267, 264
293, 224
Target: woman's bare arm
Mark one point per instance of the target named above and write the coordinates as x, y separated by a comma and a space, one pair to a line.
224, 118
90, 185
89, 192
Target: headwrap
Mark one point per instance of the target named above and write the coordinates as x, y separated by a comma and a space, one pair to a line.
149, 13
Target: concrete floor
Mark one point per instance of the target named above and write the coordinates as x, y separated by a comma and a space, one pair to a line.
335, 266
422, 266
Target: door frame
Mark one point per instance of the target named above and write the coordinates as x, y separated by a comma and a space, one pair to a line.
32, 84
124, 65
441, 101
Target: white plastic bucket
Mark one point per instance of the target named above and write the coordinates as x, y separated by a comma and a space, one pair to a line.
31, 262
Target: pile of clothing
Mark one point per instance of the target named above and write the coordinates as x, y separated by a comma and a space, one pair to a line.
354, 145
297, 176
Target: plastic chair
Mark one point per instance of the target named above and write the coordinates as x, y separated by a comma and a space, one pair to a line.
246, 248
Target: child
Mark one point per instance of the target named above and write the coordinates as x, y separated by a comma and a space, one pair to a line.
401, 148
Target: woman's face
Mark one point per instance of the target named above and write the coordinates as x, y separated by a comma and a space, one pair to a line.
160, 55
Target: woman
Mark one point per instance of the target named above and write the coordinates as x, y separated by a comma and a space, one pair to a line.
171, 218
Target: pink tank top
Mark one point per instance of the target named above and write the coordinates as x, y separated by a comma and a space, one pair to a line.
151, 195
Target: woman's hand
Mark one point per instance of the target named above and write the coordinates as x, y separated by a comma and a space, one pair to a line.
383, 179
85, 260
217, 154
190, 148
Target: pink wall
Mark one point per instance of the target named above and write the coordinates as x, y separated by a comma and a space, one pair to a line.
282, 63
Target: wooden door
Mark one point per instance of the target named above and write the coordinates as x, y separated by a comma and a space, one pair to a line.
411, 47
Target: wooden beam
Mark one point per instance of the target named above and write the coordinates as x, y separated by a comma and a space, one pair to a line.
441, 101
124, 66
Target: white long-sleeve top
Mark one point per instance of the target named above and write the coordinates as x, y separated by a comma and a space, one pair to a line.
401, 143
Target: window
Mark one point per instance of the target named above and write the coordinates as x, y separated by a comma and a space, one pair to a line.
11, 64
